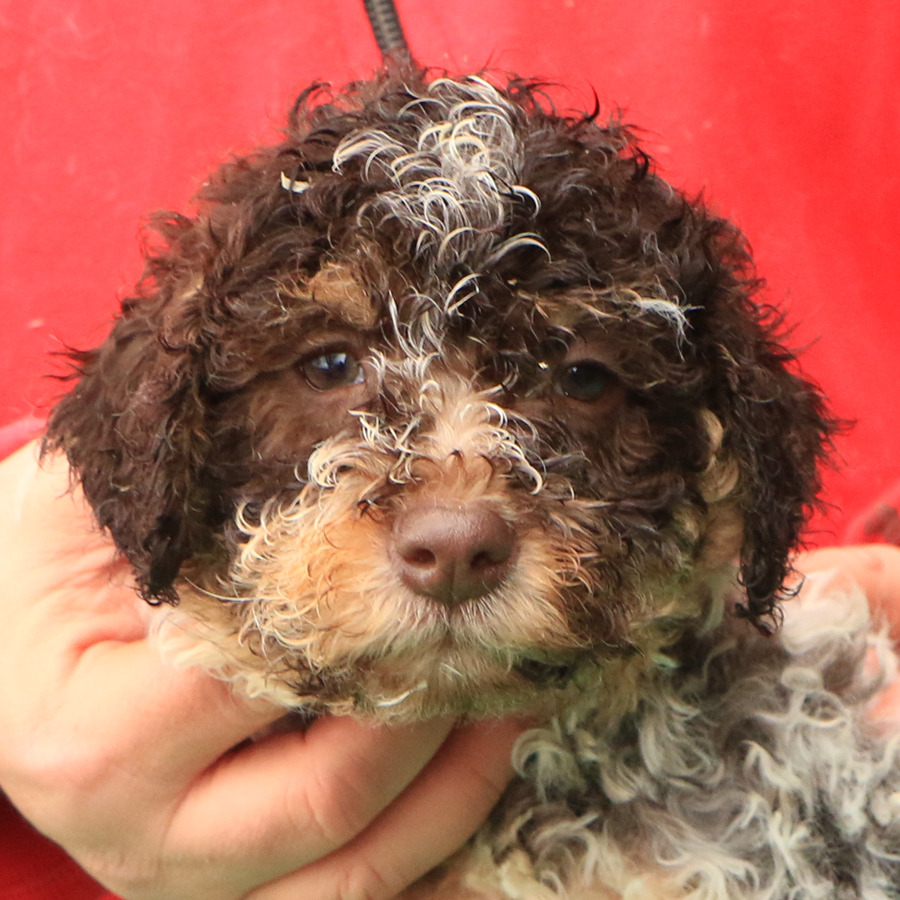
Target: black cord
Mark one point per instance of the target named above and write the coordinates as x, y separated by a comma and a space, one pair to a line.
387, 29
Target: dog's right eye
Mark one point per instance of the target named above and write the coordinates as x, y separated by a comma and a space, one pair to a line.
585, 380
329, 371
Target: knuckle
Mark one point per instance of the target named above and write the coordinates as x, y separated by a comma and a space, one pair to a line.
126, 873
364, 880
335, 807
50, 782
488, 787
79, 772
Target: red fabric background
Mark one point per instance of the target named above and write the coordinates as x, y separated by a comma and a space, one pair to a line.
786, 113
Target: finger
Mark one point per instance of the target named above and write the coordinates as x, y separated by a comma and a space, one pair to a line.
184, 720
54, 553
70, 761
32, 489
296, 797
886, 709
122, 717
875, 567
435, 816
80, 638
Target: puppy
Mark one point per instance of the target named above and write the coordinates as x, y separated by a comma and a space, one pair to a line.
449, 405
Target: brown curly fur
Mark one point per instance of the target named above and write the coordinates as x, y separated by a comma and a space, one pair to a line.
157, 427
546, 337
195, 407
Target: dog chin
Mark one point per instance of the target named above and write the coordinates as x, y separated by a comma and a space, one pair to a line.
459, 685
431, 671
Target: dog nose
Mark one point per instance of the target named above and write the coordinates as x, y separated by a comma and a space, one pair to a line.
453, 554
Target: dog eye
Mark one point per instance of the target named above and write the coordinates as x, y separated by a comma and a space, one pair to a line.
584, 380
333, 370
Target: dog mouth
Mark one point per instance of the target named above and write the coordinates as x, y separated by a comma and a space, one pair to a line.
544, 673
443, 668
444, 603
462, 631
461, 684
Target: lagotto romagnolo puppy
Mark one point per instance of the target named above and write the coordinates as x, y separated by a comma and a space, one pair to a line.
448, 404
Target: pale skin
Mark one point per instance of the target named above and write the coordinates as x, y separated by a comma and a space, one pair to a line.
130, 764
876, 569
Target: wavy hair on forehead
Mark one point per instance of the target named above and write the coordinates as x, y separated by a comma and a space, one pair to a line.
454, 160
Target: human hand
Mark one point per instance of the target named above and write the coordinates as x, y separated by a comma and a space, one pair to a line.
876, 569
138, 770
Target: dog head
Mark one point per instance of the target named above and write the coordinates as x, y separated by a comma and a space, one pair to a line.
439, 396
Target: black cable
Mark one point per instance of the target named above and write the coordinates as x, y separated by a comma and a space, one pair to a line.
387, 29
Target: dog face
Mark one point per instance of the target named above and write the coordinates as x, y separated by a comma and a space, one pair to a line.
439, 399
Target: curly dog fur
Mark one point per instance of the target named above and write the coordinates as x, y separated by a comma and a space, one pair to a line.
448, 404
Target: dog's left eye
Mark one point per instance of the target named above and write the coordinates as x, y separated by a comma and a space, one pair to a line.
585, 380
333, 370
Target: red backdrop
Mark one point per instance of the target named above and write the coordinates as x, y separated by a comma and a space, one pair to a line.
784, 112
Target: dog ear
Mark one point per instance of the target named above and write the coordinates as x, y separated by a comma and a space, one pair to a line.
134, 432
775, 425
778, 430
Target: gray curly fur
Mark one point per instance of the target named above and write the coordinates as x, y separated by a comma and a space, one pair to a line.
752, 771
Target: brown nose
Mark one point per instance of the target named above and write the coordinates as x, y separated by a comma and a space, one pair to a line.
453, 553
